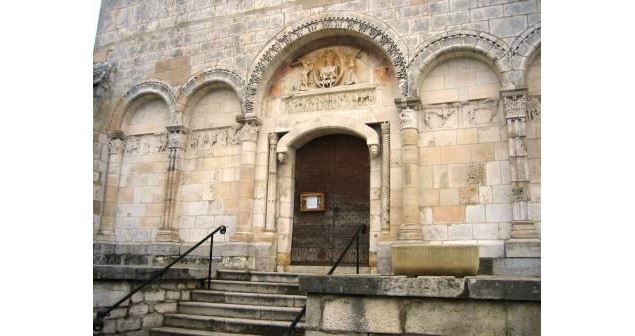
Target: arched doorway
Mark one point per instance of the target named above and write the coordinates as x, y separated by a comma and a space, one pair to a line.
337, 165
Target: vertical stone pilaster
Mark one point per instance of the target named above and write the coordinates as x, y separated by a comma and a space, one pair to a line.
515, 105
116, 147
248, 135
272, 180
176, 145
385, 177
410, 229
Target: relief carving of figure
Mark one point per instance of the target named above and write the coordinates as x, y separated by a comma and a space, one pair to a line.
329, 72
351, 77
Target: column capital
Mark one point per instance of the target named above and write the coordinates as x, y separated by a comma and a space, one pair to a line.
116, 135
412, 103
176, 136
116, 146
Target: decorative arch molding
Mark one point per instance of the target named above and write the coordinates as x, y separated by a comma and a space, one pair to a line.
484, 46
377, 32
209, 76
312, 129
524, 48
143, 89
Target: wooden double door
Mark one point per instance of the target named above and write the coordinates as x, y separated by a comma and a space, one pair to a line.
339, 166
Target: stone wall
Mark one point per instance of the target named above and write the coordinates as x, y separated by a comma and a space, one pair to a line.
465, 184
145, 309
371, 305
195, 79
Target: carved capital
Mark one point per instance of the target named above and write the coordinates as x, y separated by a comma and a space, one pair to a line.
373, 149
176, 140
515, 105
408, 119
273, 138
116, 146
282, 157
249, 132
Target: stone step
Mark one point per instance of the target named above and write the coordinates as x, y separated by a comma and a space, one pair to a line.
239, 311
170, 331
254, 287
230, 324
280, 300
258, 276
325, 269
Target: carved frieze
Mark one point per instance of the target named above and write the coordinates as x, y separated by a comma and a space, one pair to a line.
465, 113
146, 144
329, 101
203, 141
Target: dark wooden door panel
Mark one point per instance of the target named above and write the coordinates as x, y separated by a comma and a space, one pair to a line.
339, 166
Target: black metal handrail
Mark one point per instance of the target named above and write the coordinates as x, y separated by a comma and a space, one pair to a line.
98, 323
361, 229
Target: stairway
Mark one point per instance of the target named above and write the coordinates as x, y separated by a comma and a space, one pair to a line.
238, 303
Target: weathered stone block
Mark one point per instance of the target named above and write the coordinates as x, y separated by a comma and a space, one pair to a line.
493, 288
362, 315
440, 317
128, 324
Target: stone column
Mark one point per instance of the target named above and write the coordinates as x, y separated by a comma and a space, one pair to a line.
272, 180
515, 105
385, 177
410, 229
176, 145
248, 135
116, 147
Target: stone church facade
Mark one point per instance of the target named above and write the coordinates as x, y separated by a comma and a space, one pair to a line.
420, 119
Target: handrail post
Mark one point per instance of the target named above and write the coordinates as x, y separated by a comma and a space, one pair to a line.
357, 254
209, 270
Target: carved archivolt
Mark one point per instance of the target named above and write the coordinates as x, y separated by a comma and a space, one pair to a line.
427, 55
152, 87
524, 48
213, 75
376, 32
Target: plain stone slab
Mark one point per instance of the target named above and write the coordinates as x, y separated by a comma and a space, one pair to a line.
522, 248
115, 272
441, 286
516, 266
502, 288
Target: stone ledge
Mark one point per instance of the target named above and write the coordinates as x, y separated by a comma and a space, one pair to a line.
107, 272
479, 288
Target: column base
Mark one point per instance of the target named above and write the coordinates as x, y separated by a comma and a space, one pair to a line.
522, 248
524, 230
242, 237
410, 232
107, 236
167, 236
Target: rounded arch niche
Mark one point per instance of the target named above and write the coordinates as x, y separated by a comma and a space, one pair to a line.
286, 151
343, 24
